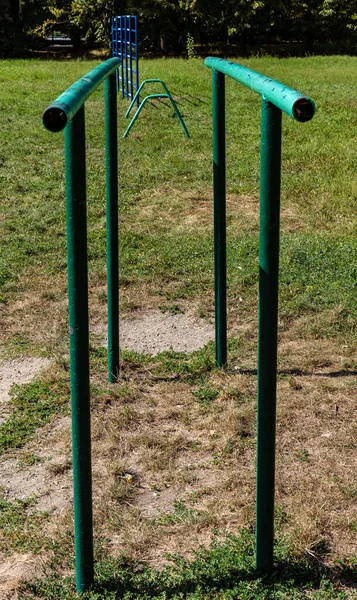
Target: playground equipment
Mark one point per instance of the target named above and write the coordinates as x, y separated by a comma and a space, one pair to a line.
276, 98
149, 97
125, 46
67, 112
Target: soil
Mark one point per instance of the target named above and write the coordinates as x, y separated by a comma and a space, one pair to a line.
154, 332
50, 479
17, 370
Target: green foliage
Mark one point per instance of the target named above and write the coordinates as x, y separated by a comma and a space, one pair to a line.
32, 405
225, 571
205, 395
167, 25
93, 18
20, 526
7, 29
190, 47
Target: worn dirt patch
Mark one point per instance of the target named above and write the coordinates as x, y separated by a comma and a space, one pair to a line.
194, 209
13, 570
17, 370
153, 332
49, 480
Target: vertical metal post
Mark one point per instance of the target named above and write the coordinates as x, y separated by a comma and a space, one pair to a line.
121, 55
137, 56
131, 57
79, 346
267, 337
111, 142
219, 192
115, 50
126, 56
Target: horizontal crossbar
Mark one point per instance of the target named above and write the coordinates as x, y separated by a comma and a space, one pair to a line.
290, 101
63, 109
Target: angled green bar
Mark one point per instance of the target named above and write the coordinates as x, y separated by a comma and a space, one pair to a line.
288, 100
219, 193
153, 96
137, 93
111, 143
268, 324
63, 109
79, 346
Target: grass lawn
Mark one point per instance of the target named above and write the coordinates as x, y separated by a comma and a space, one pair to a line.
181, 526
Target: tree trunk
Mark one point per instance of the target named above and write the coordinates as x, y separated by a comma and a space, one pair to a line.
16, 13
10, 26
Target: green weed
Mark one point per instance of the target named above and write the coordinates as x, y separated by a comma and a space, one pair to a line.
205, 395
225, 571
21, 526
192, 367
32, 405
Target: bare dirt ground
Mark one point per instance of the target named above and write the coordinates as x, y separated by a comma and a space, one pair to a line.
17, 370
49, 481
151, 332
169, 468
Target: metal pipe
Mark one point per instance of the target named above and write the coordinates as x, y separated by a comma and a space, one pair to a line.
79, 346
121, 55
63, 109
296, 105
111, 143
151, 97
137, 94
219, 193
126, 57
268, 324
131, 57
137, 56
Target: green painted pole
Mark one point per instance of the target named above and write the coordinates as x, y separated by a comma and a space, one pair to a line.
296, 105
267, 335
79, 346
219, 199
111, 142
62, 110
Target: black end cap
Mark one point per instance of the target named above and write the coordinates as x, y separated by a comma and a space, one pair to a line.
303, 110
54, 119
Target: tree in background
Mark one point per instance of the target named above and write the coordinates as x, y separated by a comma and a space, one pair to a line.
10, 26
93, 18
167, 25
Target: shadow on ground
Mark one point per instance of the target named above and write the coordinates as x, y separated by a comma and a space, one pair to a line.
225, 570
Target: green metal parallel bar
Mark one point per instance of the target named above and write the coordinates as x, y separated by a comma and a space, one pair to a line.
219, 194
268, 326
296, 105
79, 346
165, 95
111, 141
62, 110
68, 112
276, 97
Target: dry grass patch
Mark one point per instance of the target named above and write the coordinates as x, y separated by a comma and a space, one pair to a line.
35, 321
170, 209
175, 461
168, 449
